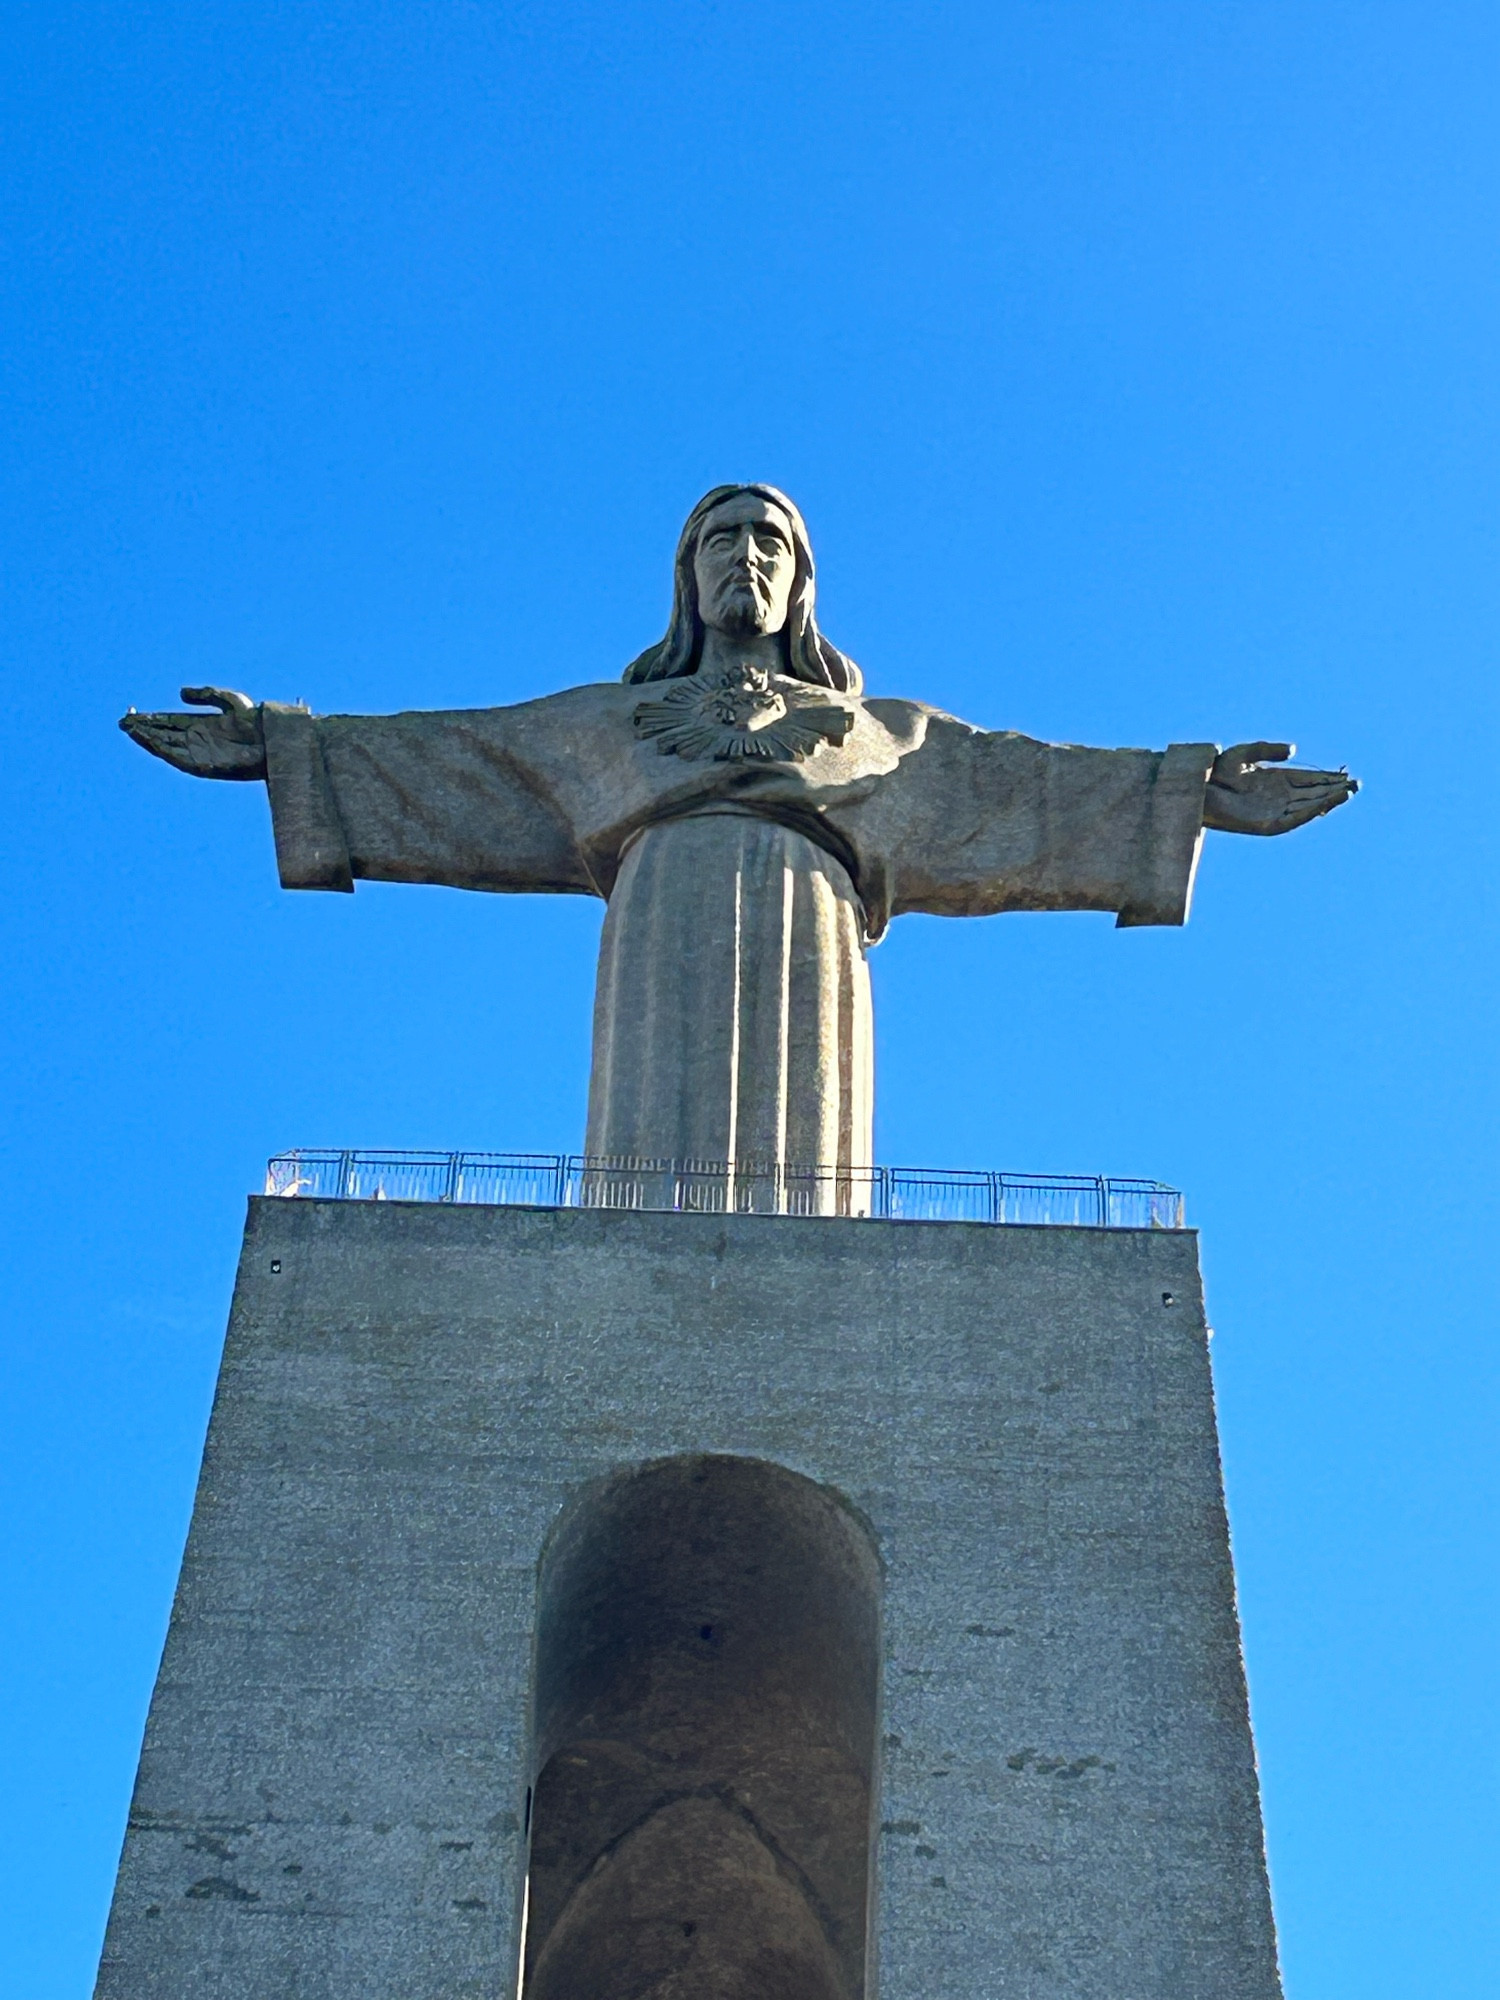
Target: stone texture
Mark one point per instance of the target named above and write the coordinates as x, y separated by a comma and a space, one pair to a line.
334, 1781
760, 1045
910, 811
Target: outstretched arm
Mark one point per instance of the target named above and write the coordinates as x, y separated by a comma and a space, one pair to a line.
449, 797
1243, 796
978, 821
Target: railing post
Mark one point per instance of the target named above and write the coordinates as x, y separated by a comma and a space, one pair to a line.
450, 1177
346, 1174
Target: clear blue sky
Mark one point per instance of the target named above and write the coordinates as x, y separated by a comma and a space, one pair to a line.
1136, 369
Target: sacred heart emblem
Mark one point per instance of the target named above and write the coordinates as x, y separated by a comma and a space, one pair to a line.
742, 712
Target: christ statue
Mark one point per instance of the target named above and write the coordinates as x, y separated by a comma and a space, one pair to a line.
753, 822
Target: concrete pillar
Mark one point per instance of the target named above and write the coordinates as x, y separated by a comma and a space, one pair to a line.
334, 1789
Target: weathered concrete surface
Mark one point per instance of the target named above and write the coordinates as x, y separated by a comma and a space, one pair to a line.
333, 1785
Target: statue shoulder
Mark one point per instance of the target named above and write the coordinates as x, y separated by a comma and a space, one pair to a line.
919, 722
574, 709
907, 721
594, 704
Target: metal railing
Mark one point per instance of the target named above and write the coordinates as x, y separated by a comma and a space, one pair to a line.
573, 1180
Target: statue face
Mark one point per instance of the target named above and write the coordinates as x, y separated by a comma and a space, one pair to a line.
744, 566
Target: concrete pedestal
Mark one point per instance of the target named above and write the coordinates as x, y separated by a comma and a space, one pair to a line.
333, 1789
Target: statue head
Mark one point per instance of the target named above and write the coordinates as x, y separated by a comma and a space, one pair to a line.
744, 564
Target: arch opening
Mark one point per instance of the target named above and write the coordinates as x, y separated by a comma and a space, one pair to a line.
705, 1720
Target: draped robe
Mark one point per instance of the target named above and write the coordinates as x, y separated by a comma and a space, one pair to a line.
732, 1014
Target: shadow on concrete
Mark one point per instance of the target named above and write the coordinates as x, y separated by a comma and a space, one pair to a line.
705, 1717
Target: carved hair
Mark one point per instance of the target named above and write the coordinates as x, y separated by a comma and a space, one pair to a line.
810, 657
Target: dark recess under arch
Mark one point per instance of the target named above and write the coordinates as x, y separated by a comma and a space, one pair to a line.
705, 1717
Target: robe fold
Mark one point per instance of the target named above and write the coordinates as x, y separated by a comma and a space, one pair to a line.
732, 1014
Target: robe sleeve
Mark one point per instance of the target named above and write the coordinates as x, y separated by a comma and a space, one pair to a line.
439, 797
981, 821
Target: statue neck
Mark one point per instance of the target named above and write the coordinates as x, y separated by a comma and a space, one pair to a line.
722, 650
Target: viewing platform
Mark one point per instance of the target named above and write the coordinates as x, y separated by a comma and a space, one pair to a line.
882, 1194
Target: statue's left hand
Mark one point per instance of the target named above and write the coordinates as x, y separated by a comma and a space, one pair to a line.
230, 744
1244, 796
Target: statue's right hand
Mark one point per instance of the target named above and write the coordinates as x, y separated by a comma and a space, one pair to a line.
229, 744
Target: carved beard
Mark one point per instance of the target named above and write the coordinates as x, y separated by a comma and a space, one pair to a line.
741, 609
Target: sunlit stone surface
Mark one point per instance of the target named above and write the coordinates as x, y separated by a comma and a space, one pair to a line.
401, 1545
